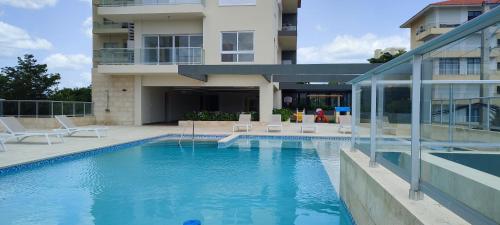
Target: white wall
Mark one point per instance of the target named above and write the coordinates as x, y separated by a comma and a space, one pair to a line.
153, 105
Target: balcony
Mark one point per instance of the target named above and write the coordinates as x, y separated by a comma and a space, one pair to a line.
127, 10
111, 28
431, 30
146, 60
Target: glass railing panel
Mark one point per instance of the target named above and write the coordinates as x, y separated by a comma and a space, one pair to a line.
115, 56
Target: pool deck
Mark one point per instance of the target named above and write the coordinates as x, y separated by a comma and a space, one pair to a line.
35, 148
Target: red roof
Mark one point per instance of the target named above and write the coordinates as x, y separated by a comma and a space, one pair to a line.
465, 2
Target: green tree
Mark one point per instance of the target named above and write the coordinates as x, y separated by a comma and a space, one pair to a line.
386, 57
28, 80
73, 94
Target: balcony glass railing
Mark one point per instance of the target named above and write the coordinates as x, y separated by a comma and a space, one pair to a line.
429, 26
111, 25
147, 2
150, 56
115, 56
287, 27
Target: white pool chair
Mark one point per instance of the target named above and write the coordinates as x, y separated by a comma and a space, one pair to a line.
3, 139
275, 123
308, 124
245, 121
345, 124
17, 130
70, 128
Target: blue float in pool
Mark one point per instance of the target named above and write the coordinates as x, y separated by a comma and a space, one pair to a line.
192, 222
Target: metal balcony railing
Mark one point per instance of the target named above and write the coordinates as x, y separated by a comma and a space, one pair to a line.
45, 108
150, 56
121, 3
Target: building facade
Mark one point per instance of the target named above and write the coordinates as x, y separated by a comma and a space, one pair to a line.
140, 44
465, 60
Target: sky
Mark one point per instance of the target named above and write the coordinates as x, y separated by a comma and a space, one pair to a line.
58, 32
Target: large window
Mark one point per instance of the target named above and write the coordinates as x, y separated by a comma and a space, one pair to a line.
473, 66
172, 49
237, 47
237, 2
473, 14
449, 66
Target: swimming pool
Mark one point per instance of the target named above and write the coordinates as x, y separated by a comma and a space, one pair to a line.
488, 163
250, 182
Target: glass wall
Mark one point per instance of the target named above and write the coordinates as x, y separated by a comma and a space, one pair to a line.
436, 118
393, 118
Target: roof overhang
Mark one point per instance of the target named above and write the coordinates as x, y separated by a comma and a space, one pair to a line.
281, 72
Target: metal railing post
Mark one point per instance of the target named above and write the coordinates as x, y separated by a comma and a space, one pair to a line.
84, 109
74, 108
18, 108
441, 112
470, 113
354, 110
488, 105
373, 122
415, 193
62, 108
52, 109
36, 109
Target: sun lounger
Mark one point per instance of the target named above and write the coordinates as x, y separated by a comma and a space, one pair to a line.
345, 124
308, 124
275, 123
17, 130
70, 128
245, 121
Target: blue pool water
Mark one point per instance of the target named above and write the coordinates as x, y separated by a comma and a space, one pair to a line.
488, 163
250, 182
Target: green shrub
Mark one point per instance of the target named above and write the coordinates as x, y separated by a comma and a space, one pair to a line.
216, 116
286, 114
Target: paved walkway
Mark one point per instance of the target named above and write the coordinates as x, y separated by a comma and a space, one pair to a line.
34, 149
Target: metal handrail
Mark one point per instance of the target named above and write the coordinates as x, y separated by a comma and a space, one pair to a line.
45, 108
121, 3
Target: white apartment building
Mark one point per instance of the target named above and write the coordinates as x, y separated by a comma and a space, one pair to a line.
464, 60
141, 45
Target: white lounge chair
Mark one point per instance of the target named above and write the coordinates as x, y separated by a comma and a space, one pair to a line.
70, 128
308, 123
245, 121
3, 139
275, 123
17, 130
345, 125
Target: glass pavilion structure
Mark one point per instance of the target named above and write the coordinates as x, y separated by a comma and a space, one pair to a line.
432, 116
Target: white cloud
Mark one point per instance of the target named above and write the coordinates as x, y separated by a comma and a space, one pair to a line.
350, 49
71, 62
29, 4
14, 39
319, 28
87, 26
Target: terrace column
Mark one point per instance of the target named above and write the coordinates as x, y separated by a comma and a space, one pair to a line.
415, 192
277, 99
266, 99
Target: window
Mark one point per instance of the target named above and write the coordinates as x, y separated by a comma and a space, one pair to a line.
473, 14
172, 49
237, 2
237, 47
449, 66
473, 66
